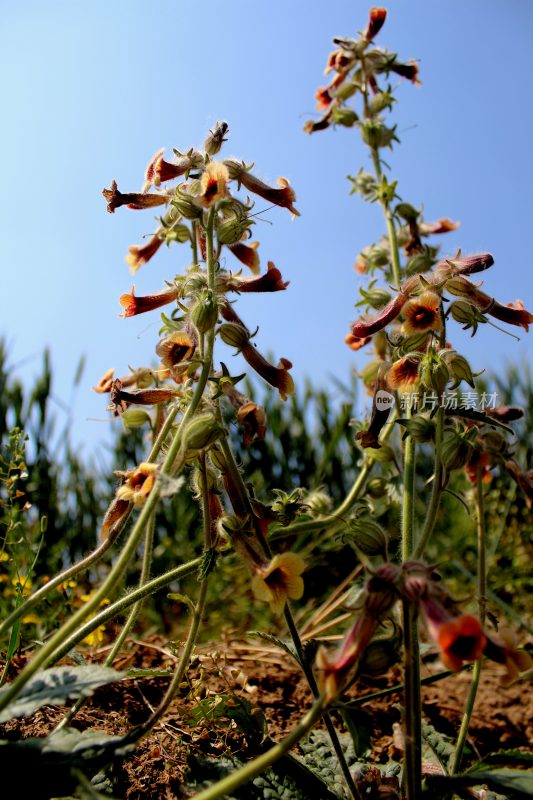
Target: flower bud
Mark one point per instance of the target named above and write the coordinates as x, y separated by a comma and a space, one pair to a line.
376, 298
459, 367
204, 313
229, 525
202, 431
344, 116
495, 442
215, 138
217, 459
421, 262
232, 230
135, 418
346, 90
234, 334
186, 205
318, 503
435, 375
458, 286
419, 428
456, 450
378, 657
383, 455
377, 135
369, 537
377, 487
407, 212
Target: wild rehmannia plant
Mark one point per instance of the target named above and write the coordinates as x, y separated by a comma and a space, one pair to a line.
416, 368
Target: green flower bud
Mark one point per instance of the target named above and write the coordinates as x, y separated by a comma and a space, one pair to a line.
369, 372
232, 230
135, 418
217, 459
344, 116
382, 456
346, 90
377, 135
377, 487
420, 428
318, 503
228, 525
369, 537
204, 313
407, 212
185, 204
456, 450
233, 334
379, 102
421, 262
435, 375
202, 431
376, 298
178, 233
459, 368
379, 656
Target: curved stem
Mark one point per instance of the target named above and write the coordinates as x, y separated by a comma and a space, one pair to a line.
123, 603
257, 765
482, 607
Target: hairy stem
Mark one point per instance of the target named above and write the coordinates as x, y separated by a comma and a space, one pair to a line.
436, 490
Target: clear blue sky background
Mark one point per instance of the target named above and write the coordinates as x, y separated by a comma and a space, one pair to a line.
91, 90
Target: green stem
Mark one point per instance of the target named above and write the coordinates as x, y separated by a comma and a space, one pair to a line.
123, 603
482, 607
257, 765
436, 490
336, 518
389, 220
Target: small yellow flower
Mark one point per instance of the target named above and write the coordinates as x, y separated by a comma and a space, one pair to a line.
4, 556
213, 183
278, 580
30, 619
138, 484
422, 314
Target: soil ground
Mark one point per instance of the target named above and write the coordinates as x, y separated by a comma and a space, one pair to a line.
269, 679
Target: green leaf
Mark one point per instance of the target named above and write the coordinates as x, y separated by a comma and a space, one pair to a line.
503, 758
281, 643
55, 686
46, 767
517, 784
248, 718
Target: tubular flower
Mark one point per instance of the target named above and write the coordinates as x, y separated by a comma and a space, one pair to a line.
323, 98
120, 399
503, 651
271, 281
409, 71
136, 200
339, 61
367, 327
175, 348
158, 170
278, 580
422, 314
279, 376
512, 314
118, 508
253, 419
443, 225
465, 265
356, 342
139, 376
213, 183
403, 374
375, 23
460, 638
283, 196
320, 124
138, 483
133, 305
247, 254
139, 256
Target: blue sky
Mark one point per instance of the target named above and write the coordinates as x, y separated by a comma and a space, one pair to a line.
92, 90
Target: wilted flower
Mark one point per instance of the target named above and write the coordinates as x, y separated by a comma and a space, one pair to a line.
422, 314
133, 305
138, 483
114, 515
253, 419
278, 580
137, 200
139, 256
443, 225
120, 399
137, 377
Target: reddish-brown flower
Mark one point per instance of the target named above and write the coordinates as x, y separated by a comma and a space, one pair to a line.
247, 254
253, 419
443, 225
376, 21
133, 305
459, 639
283, 196
137, 200
139, 256
158, 170
356, 342
271, 281
279, 376
512, 314
339, 61
323, 98
409, 71
120, 400
403, 374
